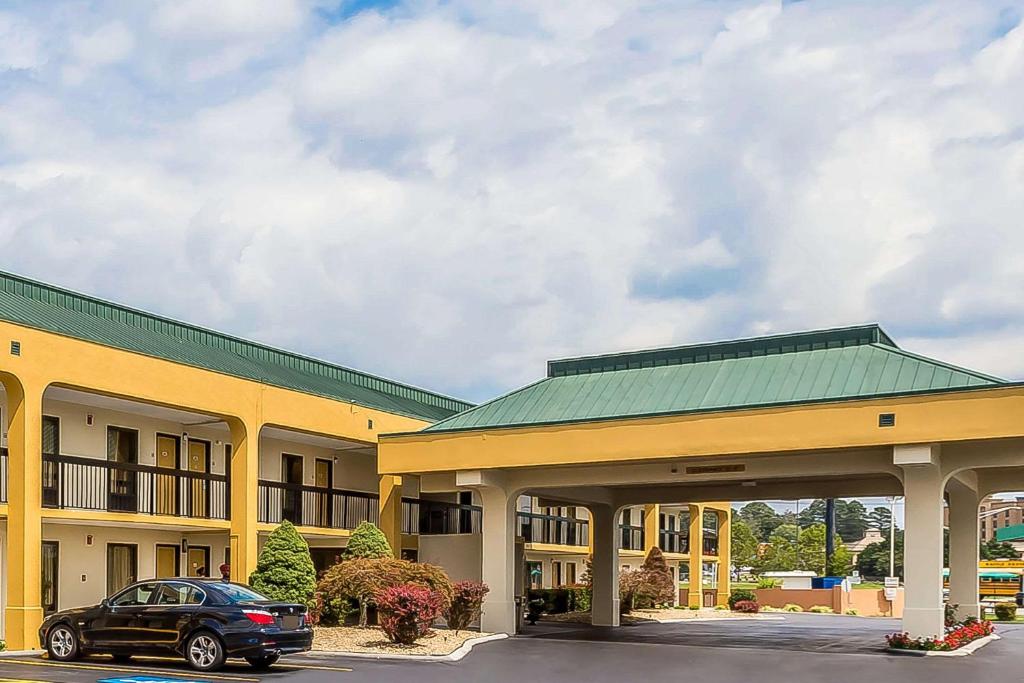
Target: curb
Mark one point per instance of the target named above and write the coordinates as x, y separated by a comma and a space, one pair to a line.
965, 651
20, 653
453, 656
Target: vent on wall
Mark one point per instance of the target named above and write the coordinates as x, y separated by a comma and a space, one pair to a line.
15, 348
887, 419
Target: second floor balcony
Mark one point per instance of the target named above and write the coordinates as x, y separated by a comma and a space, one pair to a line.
535, 527
82, 483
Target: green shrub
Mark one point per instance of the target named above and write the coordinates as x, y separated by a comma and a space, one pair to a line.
821, 609
367, 541
852, 612
3, 645
768, 608
719, 608
694, 607
561, 600
790, 607
466, 604
284, 569
767, 583
741, 595
580, 597
1005, 611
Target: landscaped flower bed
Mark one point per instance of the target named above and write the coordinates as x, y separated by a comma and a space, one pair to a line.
956, 637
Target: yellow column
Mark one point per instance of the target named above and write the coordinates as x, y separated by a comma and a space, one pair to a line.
244, 482
724, 554
696, 592
652, 527
391, 511
24, 612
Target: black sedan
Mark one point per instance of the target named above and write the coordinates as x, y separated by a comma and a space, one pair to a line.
204, 621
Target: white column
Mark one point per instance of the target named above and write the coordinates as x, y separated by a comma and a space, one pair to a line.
498, 550
604, 610
963, 550
922, 543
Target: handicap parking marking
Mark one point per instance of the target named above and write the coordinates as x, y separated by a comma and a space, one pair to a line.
150, 679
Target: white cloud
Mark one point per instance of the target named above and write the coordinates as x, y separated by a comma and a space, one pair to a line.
451, 193
106, 45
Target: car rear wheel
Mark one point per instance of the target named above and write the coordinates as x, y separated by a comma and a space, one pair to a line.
263, 662
62, 643
204, 652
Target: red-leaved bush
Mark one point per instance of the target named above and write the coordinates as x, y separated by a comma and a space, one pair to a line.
956, 637
466, 604
746, 607
407, 611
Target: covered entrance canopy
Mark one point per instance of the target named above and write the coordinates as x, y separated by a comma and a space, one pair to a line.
829, 413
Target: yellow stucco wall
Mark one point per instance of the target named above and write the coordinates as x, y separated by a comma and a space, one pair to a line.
48, 359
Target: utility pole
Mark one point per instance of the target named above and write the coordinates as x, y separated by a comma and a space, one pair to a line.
830, 532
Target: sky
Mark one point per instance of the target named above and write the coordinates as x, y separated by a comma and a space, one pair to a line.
451, 193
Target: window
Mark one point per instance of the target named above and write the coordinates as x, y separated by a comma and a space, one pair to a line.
179, 594
524, 504
51, 435
535, 574
122, 566
556, 574
237, 593
570, 573
135, 596
122, 445
50, 576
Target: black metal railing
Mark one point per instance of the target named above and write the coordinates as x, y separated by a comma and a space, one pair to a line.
74, 482
536, 527
673, 541
315, 506
436, 517
3, 475
631, 537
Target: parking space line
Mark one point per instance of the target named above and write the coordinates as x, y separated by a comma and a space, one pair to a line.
99, 667
315, 667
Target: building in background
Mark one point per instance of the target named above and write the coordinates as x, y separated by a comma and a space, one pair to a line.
999, 513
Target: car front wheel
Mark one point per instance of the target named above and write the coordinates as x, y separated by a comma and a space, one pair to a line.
204, 652
62, 643
263, 662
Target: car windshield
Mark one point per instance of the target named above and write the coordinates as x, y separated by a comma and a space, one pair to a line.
237, 593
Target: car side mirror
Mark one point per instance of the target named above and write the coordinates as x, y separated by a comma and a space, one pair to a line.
105, 602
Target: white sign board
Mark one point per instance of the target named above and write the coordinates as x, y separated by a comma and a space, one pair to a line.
892, 584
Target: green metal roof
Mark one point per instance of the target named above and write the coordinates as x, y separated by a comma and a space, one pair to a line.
52, 309
1010, 533
822, 365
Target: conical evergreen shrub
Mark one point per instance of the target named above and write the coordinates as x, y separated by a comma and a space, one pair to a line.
284, 569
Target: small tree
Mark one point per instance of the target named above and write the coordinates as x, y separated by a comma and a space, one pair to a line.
368, 541
656, 586
284, 569
466, 604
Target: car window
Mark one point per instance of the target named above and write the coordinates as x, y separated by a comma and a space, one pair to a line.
238, 593
136, 595
179, 594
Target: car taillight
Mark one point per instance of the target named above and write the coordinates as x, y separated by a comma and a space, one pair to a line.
259, 617
308, 619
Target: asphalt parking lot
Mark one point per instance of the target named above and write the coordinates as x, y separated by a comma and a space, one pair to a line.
799, 648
